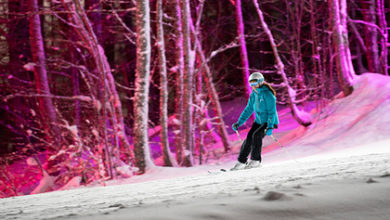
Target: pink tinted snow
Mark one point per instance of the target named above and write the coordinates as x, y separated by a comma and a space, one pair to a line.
361, 118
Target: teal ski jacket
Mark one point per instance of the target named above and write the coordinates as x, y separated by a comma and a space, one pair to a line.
263, 103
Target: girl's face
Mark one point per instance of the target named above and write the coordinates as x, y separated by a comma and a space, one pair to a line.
254, 84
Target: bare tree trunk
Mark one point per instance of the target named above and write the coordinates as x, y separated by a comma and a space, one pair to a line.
179, 86
110, 99
212, 92
370, 35
359, 61
317, 68
141, 140
301, 116
331, 64
208, 80
17, 38
384, 38
76, 92
75, 82
188, 84
199, 110
344, 24
46, 106
327, 52
243, 50
167, 154
346, 73
296, 14
92, 7
19, 51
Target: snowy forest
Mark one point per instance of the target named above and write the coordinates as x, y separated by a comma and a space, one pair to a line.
100, 90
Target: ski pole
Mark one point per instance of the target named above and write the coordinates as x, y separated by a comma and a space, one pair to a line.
238, 134
284, 149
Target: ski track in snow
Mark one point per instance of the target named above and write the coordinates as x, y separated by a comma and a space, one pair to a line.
287, 178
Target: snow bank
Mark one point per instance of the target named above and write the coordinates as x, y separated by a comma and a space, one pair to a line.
361, 118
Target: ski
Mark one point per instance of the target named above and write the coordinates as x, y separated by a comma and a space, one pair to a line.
222, 170
218, 171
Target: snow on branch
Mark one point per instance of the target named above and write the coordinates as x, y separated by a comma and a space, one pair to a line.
222, 49
65, 21
10, 76
368, 24
124, 87
131, 34
218, 51
78, 97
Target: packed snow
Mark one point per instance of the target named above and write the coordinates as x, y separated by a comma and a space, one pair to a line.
338, 168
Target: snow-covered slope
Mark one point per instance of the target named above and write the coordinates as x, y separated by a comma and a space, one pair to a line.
361, 118
355, 187
338, 168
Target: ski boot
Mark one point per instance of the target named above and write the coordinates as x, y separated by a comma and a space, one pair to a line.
238, 166
253, 164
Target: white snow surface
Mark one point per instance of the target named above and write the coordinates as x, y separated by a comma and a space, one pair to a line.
338, 168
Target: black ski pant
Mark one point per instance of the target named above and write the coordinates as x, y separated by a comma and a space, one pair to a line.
253, 143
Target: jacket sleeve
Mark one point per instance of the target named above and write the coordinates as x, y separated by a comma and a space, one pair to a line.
271, 108
248, 111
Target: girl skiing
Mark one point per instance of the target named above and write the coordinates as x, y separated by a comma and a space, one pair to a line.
263, 102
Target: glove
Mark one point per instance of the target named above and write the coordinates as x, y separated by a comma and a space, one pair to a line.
269, 131
235, 126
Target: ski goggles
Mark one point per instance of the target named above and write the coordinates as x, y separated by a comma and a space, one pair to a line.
256, 83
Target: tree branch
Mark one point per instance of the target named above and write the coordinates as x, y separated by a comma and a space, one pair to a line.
78, 97
367, 23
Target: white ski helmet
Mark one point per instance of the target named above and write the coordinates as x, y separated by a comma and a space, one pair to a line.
256, 76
